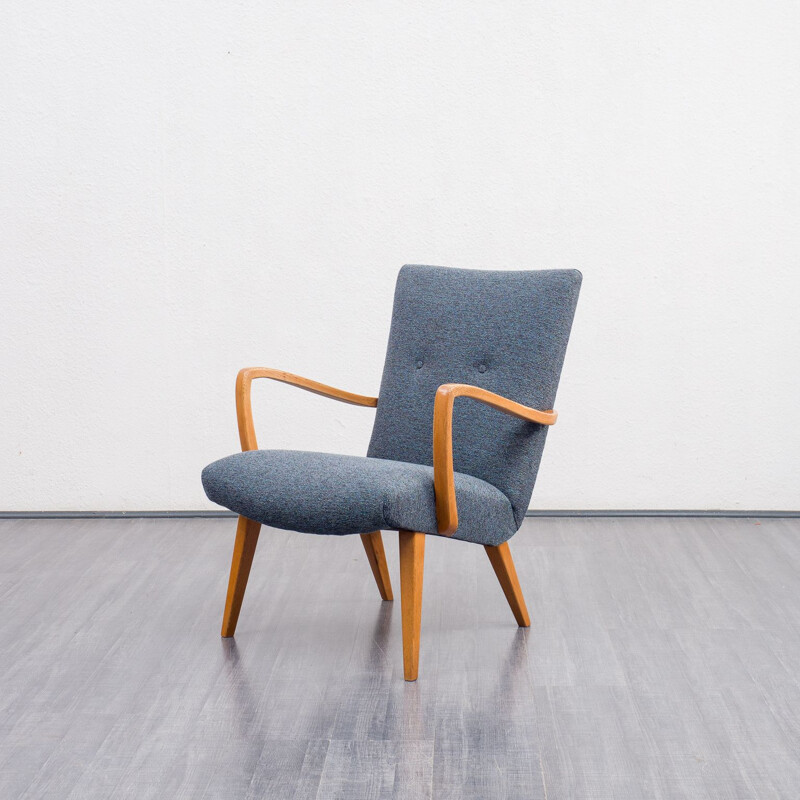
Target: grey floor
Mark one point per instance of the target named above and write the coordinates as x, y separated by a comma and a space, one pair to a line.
663, 662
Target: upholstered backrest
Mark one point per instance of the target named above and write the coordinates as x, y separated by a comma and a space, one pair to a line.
504, 331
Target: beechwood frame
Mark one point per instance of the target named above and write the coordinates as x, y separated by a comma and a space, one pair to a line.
412, 543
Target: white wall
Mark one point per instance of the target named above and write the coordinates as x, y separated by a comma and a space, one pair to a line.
189, 188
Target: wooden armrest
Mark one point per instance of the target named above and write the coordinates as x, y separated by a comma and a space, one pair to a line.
244, 410
443, 480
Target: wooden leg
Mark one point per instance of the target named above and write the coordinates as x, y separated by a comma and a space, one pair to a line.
503, 564
412, 558
243, 551
373, 544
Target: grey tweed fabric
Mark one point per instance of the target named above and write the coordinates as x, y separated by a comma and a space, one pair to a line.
503, 331
327, 493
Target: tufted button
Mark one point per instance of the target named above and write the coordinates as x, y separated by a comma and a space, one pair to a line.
481, 367
419, 363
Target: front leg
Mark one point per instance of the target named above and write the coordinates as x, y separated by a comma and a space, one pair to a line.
412, 559
243, 551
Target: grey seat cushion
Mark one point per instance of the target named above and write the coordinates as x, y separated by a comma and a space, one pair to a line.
335, 494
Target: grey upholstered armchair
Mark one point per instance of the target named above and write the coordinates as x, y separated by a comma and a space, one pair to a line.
495, 337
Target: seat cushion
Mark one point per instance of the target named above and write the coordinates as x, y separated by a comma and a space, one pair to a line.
335, 494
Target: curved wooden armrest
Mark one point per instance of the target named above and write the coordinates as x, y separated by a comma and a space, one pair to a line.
244, 410
443, 481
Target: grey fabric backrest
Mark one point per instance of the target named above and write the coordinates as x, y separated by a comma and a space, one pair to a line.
502, 330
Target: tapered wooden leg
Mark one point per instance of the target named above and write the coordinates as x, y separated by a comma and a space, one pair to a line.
412, 558
503, 564
243, 551
373, 544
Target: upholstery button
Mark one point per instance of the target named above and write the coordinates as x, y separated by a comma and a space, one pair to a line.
418, 365
481, 367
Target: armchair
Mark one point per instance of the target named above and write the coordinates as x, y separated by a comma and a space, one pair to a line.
486, 336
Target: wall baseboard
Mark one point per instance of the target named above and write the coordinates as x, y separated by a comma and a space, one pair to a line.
675, 512
113, 514
750, 514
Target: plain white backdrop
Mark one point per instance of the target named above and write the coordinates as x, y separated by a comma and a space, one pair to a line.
190, 188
